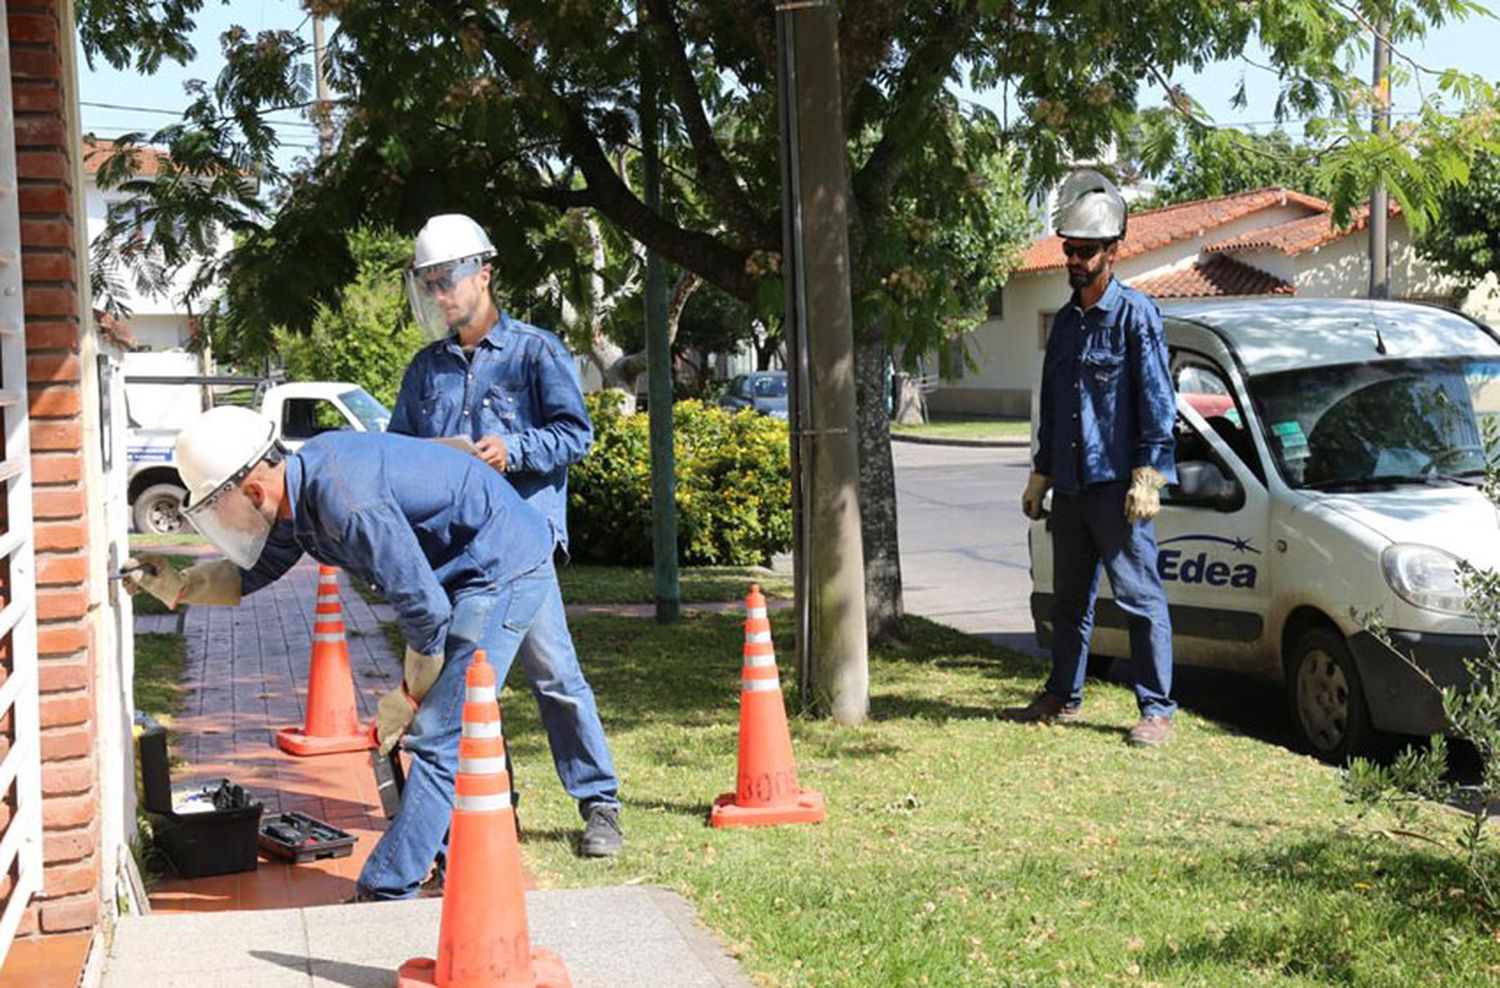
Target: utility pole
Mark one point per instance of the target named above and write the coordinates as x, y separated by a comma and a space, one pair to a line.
323, 111
658, 354
1380, 124
829, 568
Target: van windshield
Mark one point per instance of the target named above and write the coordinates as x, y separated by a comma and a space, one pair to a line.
1396, 421
370, 412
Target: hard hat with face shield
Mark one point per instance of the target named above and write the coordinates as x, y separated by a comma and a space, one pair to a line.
214, 454
450, 248
1089, 207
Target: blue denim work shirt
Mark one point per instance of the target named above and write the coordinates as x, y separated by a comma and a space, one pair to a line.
426, 524
521, 385
1107, 404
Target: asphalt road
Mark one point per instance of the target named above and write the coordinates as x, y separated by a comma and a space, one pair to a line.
964, 562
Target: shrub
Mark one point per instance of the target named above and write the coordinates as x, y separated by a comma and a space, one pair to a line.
734, 486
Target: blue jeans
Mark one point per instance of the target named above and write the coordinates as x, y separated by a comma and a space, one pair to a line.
1088, 529
566, 701
497, 622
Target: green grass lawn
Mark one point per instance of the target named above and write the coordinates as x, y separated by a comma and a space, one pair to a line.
968, 429
145, 541
962, 850
698, 584
147, 604
159, 661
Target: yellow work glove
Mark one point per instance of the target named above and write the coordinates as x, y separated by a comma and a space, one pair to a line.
395, 710
1143, 500
207, 583
1031, 498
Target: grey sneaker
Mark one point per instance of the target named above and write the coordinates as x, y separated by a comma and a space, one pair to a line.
1150, 732
1045, 709
602, 837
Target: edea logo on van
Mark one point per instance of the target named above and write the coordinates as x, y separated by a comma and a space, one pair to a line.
1183, 565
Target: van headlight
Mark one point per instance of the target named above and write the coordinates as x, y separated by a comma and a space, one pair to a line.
1424, 577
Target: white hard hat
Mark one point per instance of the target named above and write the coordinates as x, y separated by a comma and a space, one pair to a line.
218, 446
214, 453
450, 237
1089, 207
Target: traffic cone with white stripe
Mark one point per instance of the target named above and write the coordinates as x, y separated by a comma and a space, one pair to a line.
483, 938
332, 718
767, 791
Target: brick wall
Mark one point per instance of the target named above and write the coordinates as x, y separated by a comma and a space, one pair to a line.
44, 112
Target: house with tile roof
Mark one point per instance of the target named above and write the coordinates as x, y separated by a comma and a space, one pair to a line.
158, 320
1270, 241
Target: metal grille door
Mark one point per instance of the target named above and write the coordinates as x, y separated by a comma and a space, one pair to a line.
20, 741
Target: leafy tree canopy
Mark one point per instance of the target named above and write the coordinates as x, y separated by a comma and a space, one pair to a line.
1466, 244
1222, 162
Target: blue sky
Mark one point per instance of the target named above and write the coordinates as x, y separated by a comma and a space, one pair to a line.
1470, 46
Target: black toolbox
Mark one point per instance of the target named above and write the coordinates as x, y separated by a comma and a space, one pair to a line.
297, 837
205, 829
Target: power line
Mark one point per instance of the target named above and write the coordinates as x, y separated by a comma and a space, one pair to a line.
178, 113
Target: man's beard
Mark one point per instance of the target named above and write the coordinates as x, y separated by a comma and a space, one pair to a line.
1079, 280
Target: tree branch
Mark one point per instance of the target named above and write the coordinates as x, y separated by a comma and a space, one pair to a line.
866, 32
757, 22
718, 176
920, 79
700, 252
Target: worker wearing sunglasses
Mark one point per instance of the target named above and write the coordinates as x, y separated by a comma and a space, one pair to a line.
1104, 449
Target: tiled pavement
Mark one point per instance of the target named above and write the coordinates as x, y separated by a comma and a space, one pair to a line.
246, 677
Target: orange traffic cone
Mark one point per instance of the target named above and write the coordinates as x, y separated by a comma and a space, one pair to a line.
332, 720
483, 940
767, 790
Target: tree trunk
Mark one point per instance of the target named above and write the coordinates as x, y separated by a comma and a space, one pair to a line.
885, 614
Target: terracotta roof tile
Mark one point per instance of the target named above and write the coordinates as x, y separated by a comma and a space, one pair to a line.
1297, 236
1158, 227
1213, 277
98, 150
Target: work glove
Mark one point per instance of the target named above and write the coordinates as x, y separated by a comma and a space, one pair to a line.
1031, 498
206, 583
1143, 500
395, 710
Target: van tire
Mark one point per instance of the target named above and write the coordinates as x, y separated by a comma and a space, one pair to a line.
158, 510
1328, 707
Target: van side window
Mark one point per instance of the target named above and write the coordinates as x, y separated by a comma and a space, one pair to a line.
1204, 387
303, 418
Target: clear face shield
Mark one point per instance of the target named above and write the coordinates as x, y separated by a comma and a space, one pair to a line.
231, 521
444, 296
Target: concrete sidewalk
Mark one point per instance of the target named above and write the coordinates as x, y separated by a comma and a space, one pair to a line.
622, 937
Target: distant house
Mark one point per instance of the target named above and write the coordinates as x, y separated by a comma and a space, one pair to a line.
1267, 242
157, 321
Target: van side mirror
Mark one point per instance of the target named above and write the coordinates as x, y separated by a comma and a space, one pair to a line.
1200, 483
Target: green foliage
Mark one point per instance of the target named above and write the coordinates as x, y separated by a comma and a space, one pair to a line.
1473, 714
1211, 163
366, 337
1466, 244
733, 487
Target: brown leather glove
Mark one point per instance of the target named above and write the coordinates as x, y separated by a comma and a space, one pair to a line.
1143, 500
1031, 498
395, 710
206, 583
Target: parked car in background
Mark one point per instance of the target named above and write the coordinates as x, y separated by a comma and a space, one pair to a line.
1330, 462
299, 409
762, 391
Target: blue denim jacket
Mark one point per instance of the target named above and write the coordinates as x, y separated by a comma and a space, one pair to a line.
424, 523
1107, 404
521, 386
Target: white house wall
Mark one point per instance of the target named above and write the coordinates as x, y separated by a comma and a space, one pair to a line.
1008, 351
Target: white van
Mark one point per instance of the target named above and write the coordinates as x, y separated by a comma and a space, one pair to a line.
1329, 459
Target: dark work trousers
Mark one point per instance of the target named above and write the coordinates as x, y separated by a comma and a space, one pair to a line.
1089, 529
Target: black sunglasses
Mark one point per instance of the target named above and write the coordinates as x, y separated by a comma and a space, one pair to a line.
1082, 251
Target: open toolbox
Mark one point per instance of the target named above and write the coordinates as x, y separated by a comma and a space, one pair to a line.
297, 837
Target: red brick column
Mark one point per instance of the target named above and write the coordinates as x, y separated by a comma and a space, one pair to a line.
45, 114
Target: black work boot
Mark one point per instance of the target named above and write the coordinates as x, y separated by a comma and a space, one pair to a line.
601, 833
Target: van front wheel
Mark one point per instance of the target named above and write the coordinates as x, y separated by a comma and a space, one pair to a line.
1327, 697
158, 510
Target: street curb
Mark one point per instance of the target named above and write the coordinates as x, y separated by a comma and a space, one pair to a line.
897, 437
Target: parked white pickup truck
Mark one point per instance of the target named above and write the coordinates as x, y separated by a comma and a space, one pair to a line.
300, 409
